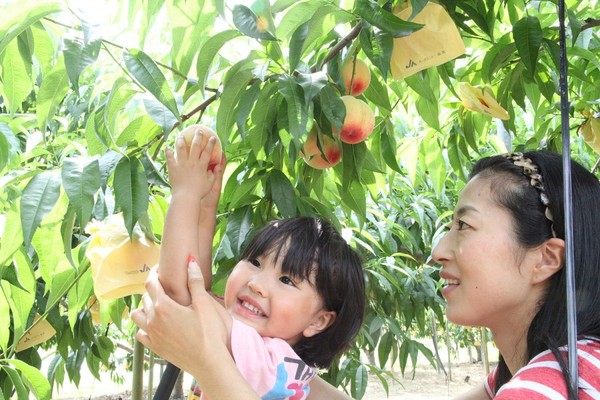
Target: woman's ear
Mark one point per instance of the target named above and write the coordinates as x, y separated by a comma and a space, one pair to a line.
321, 322
552, 259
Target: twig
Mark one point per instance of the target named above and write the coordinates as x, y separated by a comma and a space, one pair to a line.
338, 47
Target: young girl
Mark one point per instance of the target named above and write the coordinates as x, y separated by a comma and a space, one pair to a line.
293, 302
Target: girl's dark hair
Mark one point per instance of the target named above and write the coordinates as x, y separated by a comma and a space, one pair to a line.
307, 245
513, 191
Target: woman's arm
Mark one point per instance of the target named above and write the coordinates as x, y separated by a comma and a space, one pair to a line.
193, 338
321, 390
477, 393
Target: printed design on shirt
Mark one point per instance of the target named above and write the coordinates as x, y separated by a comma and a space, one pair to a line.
295, 390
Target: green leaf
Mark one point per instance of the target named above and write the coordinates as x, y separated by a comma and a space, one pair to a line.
160, 114
296, 109
16, 75
528, 37
78, 56
354, 197
429, 111
118, 98
22, 392
81, 180
296, 17
208, 51
20, 300
233, 90
332, 106
66, 230
39, 196
312, 84
18, 16
246, 103
296, 45
249, 24
436, 165
386, 21
4, 323
378, 47
359, 383
145, 70
12, 236
52, 91
141, 130
34, 378
282, 192
238, 227
131, 191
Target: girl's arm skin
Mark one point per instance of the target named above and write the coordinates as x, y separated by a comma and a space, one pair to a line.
194, 338
190, 180
207, 224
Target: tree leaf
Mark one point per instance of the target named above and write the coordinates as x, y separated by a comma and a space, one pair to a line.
528, 37
233, 90
386, 21
19, 16
37, 382
312, 84
131, 191
247, 22
52, 91
332, 106
208, 51
39, 196
81, 180
17, 381
79, 55
145, 70
16, 75
296, 109
282, 192
378, 47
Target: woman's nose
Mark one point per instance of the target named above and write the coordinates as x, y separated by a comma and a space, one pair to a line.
441, 251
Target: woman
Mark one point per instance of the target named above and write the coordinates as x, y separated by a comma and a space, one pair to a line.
503, 265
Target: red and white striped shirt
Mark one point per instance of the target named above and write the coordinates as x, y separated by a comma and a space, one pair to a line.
542, 378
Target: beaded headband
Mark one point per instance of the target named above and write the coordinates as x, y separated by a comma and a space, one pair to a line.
531, 171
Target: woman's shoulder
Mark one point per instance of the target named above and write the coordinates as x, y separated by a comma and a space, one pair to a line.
543, 375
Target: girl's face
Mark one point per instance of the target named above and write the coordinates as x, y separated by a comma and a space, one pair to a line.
276, 305
487, 273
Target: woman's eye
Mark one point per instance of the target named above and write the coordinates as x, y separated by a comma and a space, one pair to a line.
461, 225
286, 280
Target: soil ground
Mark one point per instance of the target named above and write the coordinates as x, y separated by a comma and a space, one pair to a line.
427, 384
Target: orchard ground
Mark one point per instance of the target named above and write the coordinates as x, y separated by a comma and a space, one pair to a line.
424, 383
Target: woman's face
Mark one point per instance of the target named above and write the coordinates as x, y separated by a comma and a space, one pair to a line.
486, 272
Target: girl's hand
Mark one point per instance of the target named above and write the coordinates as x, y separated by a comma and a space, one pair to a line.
188, 170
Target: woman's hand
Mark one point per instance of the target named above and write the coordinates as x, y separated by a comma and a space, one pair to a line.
193, 338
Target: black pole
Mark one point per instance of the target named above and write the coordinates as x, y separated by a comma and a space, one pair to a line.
167, 383
570, 273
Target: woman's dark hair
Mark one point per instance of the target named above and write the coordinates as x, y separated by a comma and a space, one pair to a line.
313, 245
514, 192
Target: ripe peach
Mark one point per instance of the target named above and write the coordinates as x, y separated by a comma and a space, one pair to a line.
188, 135
359, 121
362, 76
331, 155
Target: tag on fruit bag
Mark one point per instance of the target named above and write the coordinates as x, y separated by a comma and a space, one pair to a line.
436, 43
120, 265
41, 332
